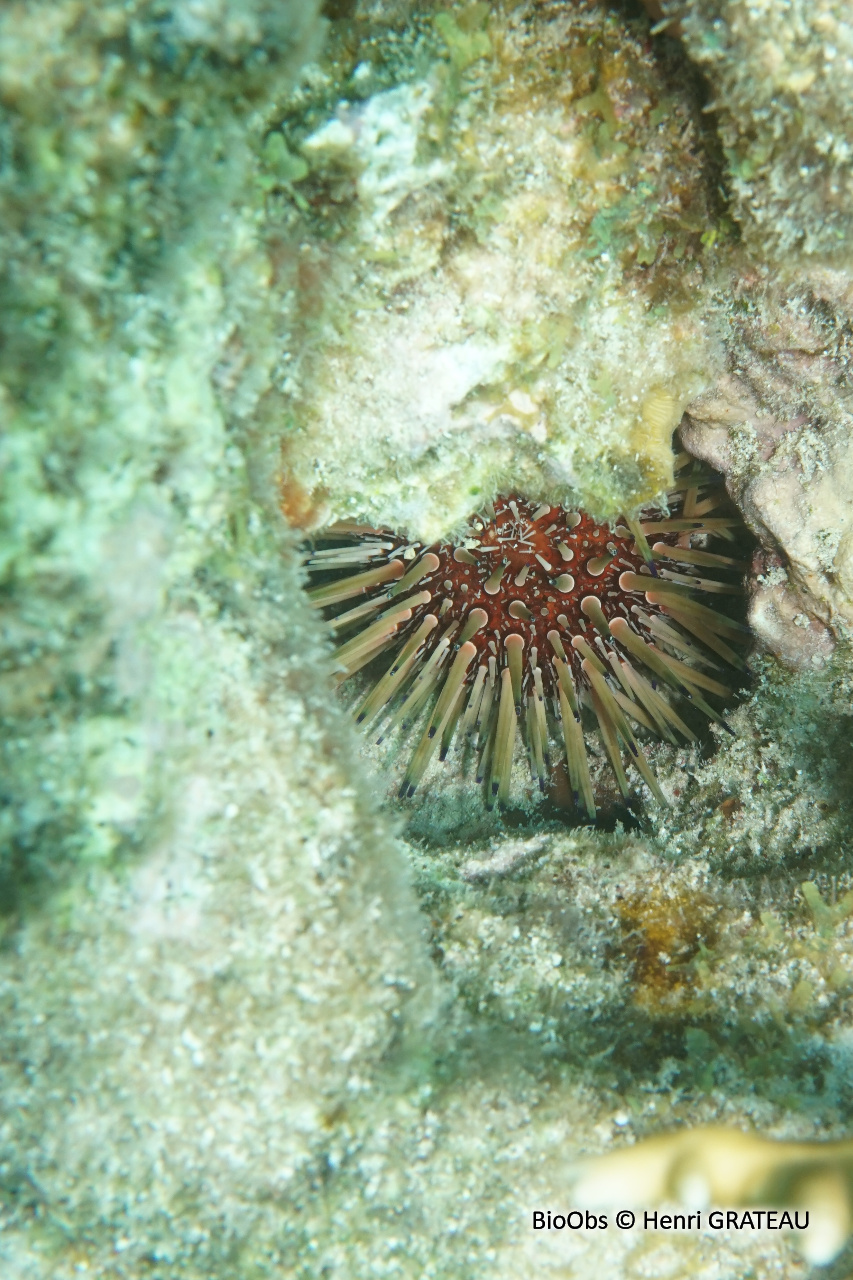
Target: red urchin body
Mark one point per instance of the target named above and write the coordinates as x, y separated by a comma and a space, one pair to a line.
534, 614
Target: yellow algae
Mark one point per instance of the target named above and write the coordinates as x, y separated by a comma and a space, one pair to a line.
651, 436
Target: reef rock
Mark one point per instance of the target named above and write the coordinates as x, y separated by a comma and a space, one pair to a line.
460, 243
780, 85
209, 938
504, 260
780, 427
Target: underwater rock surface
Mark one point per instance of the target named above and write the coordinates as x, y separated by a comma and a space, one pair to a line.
780, 76
256, 1020
780, 427
510, 258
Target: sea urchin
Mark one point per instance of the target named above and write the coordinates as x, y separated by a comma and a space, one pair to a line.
540, 616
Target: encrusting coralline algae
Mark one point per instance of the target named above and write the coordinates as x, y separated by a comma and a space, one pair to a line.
251, 1023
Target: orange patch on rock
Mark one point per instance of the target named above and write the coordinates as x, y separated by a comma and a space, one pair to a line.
302, 509
661, 936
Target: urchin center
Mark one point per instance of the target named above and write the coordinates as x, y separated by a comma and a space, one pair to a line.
530, 567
